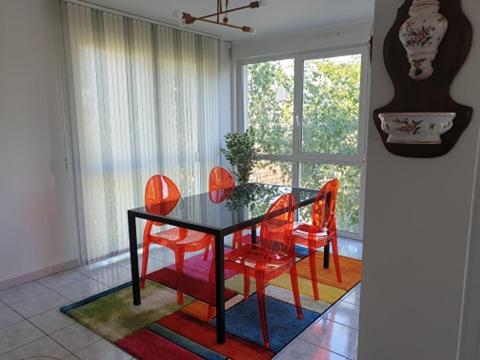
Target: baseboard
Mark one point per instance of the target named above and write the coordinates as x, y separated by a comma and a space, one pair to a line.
5, 284
35, 275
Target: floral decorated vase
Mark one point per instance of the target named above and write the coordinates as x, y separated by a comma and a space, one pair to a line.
416, 128
421, 35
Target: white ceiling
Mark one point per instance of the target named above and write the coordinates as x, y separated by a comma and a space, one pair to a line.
279, 16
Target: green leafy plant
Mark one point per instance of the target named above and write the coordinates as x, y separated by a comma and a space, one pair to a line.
257, 197
242, 153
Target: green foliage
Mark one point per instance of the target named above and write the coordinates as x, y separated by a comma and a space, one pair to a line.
241, 151
257, 198
330, 125
330, 106
271, 118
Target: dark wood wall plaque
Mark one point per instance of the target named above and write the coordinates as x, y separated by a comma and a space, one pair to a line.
432, 94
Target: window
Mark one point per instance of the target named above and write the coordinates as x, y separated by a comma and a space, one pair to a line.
309, 115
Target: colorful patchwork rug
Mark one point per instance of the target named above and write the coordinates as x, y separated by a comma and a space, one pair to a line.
160, 328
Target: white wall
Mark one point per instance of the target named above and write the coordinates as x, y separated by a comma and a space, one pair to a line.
470, 334
35, 191
317, 39
416, 225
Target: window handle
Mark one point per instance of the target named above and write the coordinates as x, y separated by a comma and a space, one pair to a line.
297, 120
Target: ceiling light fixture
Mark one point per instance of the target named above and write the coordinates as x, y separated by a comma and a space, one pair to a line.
188, 19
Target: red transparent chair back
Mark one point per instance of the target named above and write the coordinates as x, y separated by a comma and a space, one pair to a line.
160, 189
220, 185
321, 232
277, 226
323, 209
162, 194
220, 178
219, 196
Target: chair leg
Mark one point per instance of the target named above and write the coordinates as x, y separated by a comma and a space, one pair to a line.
336, 259
296, 291
313, 272
246, 285
237, 239
179, 258
262, 309
146, 251
326, 256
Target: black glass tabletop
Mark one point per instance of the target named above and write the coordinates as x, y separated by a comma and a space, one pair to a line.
223, 210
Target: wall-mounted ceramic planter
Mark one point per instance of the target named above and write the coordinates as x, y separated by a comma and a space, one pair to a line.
422, 120
416, 128
421, 36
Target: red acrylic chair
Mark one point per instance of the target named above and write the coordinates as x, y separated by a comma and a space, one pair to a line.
220, 178
270, 257
220, 184
321, 232
162, 192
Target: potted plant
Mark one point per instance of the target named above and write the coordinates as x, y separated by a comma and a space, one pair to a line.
242, 154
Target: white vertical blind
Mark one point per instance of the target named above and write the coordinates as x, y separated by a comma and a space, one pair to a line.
145, 102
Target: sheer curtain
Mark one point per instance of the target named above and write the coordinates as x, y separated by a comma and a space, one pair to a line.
145, 101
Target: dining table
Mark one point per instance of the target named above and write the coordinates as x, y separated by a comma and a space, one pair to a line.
219, 213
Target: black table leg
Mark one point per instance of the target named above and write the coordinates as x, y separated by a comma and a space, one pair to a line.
220, 288
326, 256
132, 231
254, 234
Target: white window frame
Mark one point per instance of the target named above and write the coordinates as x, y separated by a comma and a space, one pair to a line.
298, 156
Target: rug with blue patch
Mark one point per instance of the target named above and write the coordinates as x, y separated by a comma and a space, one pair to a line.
160, 328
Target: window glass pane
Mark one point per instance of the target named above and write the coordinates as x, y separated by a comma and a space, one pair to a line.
331, 92
272, 172
270, 104
314, 176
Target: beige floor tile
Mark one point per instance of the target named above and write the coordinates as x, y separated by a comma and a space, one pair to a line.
51, 321
22, 292
102, 350
344, 313
111, 275
303, 350
332, 336
81, 289
8, 316
75, 337
354, 354
62, 279
41, 348
39, 304
353, 297
16, 335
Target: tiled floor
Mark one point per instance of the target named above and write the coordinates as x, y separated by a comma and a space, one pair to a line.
32, 327
334, 336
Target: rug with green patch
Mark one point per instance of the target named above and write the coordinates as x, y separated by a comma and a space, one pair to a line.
160, 328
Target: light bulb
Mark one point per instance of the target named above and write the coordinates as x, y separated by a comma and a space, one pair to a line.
186, 19
248, 29
177, 14
262, 3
